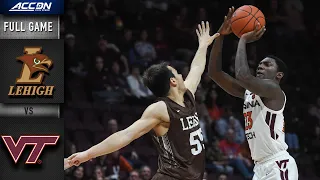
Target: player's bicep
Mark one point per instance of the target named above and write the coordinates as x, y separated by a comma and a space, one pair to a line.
262, 87
149, 119
193, 79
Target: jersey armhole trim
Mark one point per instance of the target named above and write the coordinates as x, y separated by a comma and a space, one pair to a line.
274, 111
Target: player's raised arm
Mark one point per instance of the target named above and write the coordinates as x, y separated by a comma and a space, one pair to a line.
199, 61
224, 80
151, 117
262, 87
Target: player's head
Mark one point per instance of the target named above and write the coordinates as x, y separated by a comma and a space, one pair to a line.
272, 67
160, 78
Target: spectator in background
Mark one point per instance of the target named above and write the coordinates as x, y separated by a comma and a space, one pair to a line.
145, 173
204, 118
222, 176
98, 76
205, 175
216, 160
179, 34
112, 126
146, 51
116, 165
134, 175
161, 45
107, 14
111, 53
98, 174
232, 150
118, 81
291, 129
73, 54
214, 110
126, 42
138, 89
78, 174
229, 121
90, 14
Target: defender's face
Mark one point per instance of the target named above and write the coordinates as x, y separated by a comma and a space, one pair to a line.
178, 79
267, 69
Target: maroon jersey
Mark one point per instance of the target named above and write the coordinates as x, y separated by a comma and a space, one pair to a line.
181, 149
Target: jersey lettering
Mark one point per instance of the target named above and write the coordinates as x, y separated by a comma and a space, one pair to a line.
189, 122
248, 120
251, 104
250, 135
196, 139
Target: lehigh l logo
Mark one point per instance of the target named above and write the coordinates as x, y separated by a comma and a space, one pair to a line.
35, 65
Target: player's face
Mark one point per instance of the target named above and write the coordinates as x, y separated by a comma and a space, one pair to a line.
179, 79
267, 69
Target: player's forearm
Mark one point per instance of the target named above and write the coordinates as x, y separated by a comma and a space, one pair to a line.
199, 60
113, 143
215, 63
241, 64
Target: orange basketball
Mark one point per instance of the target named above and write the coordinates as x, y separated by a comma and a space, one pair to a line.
245, 18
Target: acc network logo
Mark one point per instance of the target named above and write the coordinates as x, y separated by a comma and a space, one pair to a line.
35, 65
31, 6
38, 143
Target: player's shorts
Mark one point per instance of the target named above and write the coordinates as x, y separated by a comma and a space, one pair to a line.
160, 176
280, 166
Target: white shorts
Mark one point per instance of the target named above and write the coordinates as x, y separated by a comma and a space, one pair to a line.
280, 166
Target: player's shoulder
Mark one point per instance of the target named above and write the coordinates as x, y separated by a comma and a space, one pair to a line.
159, 105
158, 110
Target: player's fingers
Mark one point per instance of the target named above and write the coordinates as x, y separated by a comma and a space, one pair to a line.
198, 34
207, 27
229, 13
203, 27
261, 32
200, 29
257, 27
72, 156
215, 35
76, 162
225, 19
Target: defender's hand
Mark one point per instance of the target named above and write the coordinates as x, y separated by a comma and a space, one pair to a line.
203, 34
78, 158
66, 164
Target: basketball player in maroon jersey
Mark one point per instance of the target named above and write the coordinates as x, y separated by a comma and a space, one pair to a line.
172, 120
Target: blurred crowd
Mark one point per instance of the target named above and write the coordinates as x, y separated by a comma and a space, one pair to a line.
108, 45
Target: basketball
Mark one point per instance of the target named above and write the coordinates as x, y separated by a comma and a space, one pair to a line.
245, 18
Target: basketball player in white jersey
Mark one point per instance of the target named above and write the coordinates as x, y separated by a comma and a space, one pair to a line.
264, 102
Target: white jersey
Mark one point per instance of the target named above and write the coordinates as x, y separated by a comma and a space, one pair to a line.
264, 127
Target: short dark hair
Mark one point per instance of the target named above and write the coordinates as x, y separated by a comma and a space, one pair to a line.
157, 79
282, 67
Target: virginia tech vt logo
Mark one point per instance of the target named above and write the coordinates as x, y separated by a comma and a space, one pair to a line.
30, 82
